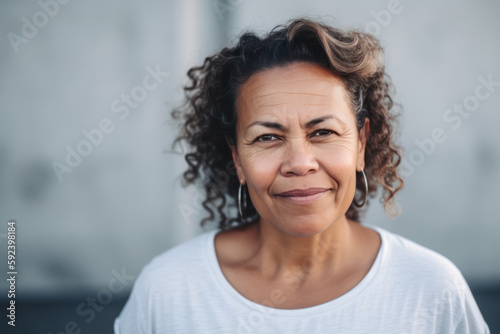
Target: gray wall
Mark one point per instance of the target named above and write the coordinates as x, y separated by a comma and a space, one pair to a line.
120, 206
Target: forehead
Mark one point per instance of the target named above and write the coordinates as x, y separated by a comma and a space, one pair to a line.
297, 85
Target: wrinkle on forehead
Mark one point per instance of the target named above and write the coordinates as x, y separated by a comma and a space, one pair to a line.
265, 89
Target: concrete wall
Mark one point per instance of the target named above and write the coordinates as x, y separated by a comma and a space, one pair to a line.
119, 206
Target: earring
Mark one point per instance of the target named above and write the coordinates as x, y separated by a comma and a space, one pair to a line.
366, 192
240, 209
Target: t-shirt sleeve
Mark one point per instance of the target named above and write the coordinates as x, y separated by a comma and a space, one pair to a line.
134, 317
471, 320
443, 300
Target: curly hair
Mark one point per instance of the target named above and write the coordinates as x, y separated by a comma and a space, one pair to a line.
209, 113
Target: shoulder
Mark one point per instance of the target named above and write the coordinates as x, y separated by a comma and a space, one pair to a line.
423, 273
185, 250
418, 271
430, 280
403, 253
166, 282
167, 270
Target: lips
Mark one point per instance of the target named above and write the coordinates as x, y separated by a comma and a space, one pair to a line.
302, 192
302, 196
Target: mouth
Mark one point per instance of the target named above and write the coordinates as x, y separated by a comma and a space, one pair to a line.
303, 196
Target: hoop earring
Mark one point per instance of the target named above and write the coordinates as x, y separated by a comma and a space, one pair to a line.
240, 209
366, 192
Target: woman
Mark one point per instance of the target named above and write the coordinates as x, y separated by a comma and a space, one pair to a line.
304, 114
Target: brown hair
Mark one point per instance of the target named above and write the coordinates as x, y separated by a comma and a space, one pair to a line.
209, 114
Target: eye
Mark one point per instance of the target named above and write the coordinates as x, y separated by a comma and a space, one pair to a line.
266, 138
322, 133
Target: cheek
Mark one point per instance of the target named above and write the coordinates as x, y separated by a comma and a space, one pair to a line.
339, 163
338, 159
260, 168
260, 172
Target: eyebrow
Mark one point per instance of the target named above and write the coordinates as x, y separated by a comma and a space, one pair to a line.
310, 124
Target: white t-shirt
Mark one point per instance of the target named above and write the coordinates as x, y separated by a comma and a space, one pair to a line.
409, 289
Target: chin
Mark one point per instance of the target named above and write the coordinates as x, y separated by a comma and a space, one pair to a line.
305, 227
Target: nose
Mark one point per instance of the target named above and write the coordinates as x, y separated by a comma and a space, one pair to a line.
299, 160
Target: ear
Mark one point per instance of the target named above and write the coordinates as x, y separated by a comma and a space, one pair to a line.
237, 163
362, 138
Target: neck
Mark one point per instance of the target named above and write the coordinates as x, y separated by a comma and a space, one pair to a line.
292, 259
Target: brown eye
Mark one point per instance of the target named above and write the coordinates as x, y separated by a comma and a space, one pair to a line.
322, 133
266, 138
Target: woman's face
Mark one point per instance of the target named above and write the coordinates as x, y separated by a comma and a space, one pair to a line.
298, 147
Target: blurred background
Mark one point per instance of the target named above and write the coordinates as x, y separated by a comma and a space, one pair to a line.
86, 90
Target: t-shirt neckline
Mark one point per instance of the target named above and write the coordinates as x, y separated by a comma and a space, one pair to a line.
219, 277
